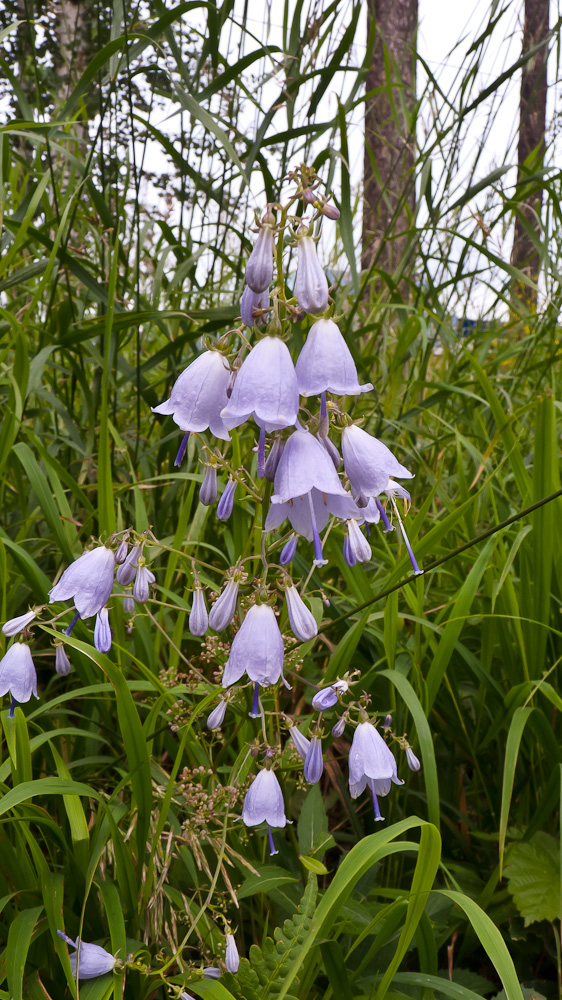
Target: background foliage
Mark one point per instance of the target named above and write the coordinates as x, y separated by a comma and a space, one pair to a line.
118, 807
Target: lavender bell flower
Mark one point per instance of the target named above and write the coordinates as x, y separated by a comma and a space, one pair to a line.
15, 625
18, 675
141, 586
257, 649
253, 300
308, 490
127, 571
302, 743
329, 696
265, 388
412, 760
371, 763
62, 663
232, 958
358, 544
325, 363
226, 502
259, 269
208, 491
91, 959
216, 718
89, 580
368, 462
314, 761
198, 617
102, 632
222, 611
263, 803
197, 398
311, 284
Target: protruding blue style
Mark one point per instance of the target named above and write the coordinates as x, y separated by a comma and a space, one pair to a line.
88, 580
18, 674
302, 743
314, 761
182, 450
257, 649
127, 571
226, 502
255, 713
15, 625
199, 395
384, 518
301, 619
259, 269
289, 551
325, 363
223, 610
216, 718
261, 454
232, 958
311, 284
102, 632
73, 621
208, 490
329, 696
372, 764
142, 584
62, 663
198, 617
251, 301
91, 959
265, 388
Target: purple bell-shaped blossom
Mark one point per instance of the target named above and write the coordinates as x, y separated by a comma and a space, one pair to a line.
263, 803
325, 363
226, 502
314, 761
15, 625
368, 462
251, 301
257, 649
231, 958
265, 388
91, 959
208, 491
301, 743
301, 619
372, 764
311, 284
141, 587
259, 269
197, 398
329, 696
198, 616
224, 608
62, 663
18, 674
88, 580
102, 631
308, 491
358, 544
216, 717
127, 571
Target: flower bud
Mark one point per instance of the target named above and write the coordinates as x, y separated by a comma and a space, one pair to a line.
338, 727
273, 458
216, 718
222, 611
127, 571
301, 619
259, 269
141, 586
198, 617
289, 551
330, 447
302, 744
128, 605
331, 212
358, 544
253, 300
347, 553
102, 632
387, 724
15, 625
314, 761
232, 959
62, 663
311, 284
211, 972
226, 502
208, 490
308, 196
121, 553
328, 697
412, 760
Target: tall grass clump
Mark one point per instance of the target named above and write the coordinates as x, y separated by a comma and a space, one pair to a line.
177, 545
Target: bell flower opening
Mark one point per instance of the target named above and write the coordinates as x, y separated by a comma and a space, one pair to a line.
325, 363
257, 649
88, 581
199, 395
18, 675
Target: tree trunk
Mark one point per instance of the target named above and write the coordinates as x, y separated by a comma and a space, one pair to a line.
388, 186
531, 147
